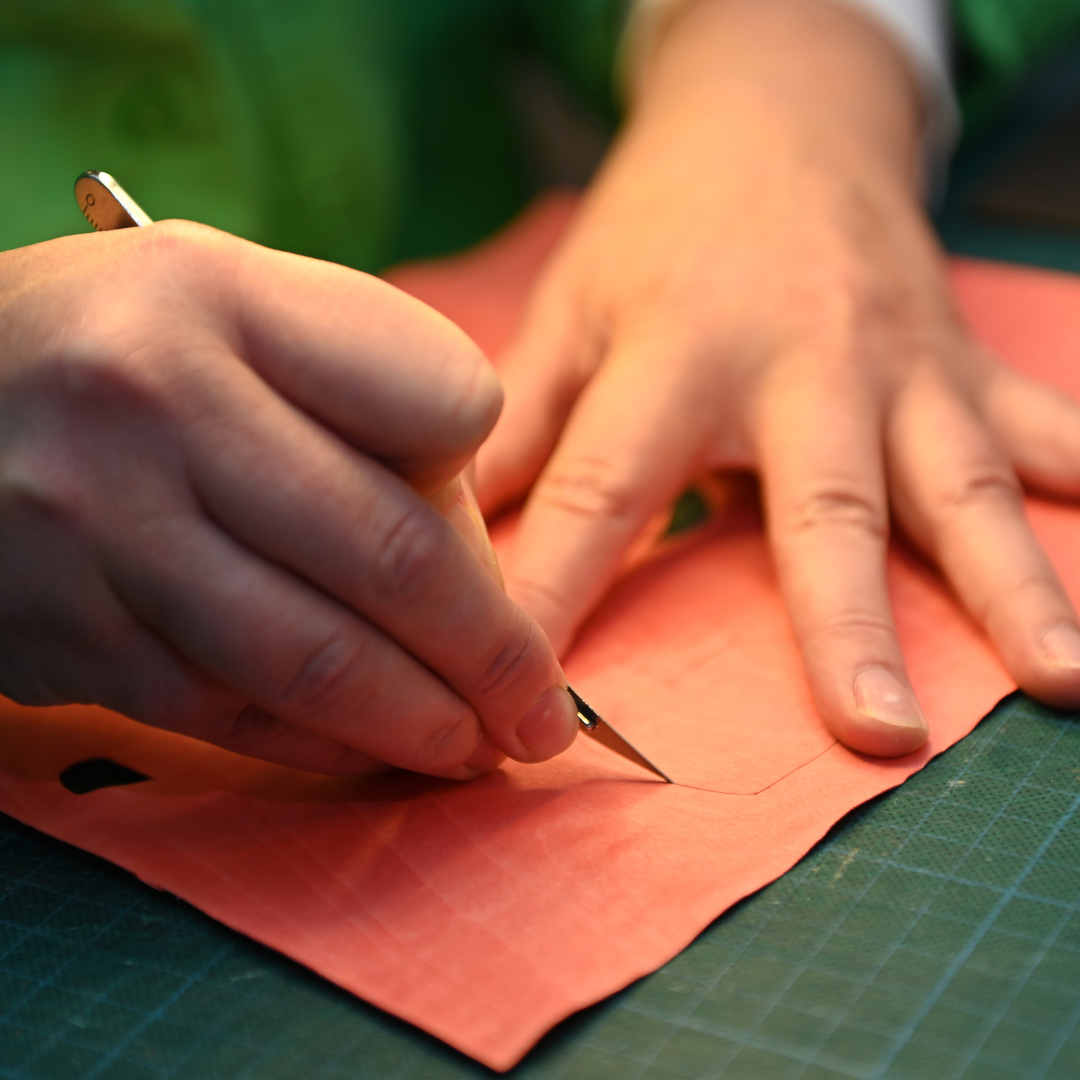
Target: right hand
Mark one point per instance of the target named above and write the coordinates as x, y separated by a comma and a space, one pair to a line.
213, 463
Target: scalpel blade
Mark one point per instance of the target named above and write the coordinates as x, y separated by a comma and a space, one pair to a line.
600, 730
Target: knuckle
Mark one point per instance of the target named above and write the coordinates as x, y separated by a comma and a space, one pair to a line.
447, 745
509, 666
239, 727
839, 507
76, 455
845, 290
410, 556
214, 722
92, 363
858, 624
588, 487
1030, 592
982, 485
39, 488
182, 243
105, 372
53, 481
323, 677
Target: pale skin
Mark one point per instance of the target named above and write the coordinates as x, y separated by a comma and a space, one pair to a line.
216, 460
752, 284
211, 464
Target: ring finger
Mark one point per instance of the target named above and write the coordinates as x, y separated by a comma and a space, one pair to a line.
957, 495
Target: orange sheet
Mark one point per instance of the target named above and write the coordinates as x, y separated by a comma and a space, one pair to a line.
487, 912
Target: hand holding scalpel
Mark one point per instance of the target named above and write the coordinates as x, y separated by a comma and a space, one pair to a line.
106, 205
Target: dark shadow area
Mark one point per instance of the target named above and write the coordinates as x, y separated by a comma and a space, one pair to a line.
96, 773
1014, 187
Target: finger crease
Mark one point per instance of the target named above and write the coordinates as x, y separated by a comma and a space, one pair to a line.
840, 509
588, 491
984, 488
503, 671
857, 622
321, 675
1003, 604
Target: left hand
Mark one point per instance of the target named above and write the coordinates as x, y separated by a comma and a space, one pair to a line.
751, 283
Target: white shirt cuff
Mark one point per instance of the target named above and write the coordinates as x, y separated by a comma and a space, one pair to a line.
921, 29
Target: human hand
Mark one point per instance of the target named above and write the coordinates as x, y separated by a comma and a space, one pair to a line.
213, 459
752, 284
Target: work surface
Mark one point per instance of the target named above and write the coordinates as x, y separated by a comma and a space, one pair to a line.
934, 933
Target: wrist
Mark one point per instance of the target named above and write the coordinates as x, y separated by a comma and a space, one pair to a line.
810, 70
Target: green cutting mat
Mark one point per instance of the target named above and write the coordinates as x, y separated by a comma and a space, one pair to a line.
934, 934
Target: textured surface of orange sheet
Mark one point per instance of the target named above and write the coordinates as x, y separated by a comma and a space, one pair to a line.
486, 912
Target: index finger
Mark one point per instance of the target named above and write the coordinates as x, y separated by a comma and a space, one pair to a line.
625, 452
388, 374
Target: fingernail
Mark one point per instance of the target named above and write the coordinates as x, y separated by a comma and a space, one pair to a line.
549, 725
1062, 645
486, 757
880, 695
